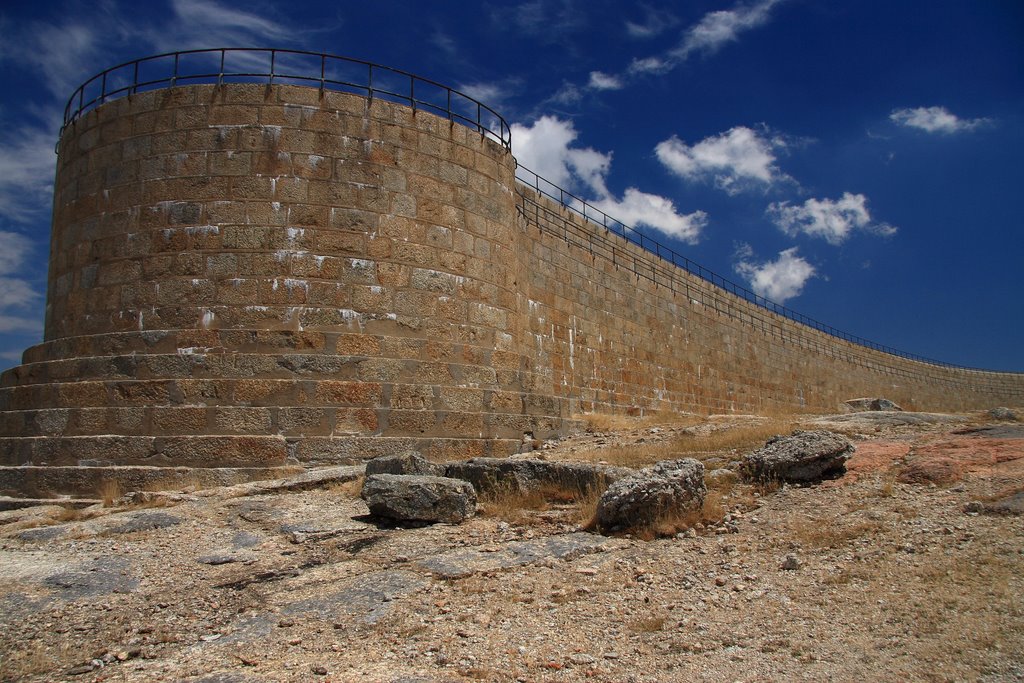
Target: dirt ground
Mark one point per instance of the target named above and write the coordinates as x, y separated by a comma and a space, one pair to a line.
901, 570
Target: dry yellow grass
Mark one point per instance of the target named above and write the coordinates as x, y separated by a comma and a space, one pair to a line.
109, 490
707, 442
515, 507
602, 422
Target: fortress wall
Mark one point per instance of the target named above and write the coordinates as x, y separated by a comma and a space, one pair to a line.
620, 330
253, 276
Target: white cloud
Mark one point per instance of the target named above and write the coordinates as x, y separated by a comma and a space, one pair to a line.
778, 280
935, 120
832, 220
736, 159
642, 209
546, 148
715, 29
603, 81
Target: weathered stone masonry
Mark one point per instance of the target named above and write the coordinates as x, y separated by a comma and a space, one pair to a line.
244, 277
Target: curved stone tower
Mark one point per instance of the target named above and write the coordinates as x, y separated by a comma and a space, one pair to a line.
244, 277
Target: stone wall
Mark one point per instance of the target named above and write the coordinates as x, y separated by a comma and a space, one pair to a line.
616, 328
244, 277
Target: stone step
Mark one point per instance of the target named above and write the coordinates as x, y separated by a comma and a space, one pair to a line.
164, 451
254, 341
49, 482
288, 421
325, 318
171, 341
201, 364
237, 451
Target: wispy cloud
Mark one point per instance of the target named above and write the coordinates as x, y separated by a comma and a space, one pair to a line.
655, 23
713, 31
27, 165
735, 160
778, 280
716, 29
547, 20
935, 120
832, 220
18, 297
546, 148
603, 81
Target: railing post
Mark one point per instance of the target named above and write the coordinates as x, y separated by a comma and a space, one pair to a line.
174, 78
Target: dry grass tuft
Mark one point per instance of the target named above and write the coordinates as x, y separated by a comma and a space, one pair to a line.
830, 533
351, 488
514, 506
109, 490
738, 438
603, 422
648, 624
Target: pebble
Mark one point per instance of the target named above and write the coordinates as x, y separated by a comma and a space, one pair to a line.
319, 670
791, 562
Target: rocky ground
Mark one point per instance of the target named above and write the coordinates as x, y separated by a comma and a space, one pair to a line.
901, 570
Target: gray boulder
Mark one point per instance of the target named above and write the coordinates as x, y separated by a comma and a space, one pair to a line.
1003, 414
419, 498
409, 462
800, 458
521, 475
639, 499
862, 405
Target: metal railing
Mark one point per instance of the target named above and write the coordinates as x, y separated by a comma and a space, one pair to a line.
648, 270
297, 67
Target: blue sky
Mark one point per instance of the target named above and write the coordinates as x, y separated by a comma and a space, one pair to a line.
860, 162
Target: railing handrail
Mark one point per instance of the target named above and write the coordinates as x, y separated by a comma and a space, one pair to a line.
124, 79
599, 218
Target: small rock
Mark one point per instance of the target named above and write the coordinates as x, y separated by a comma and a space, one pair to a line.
319, 670
792, 562
80, 669
581, 659
721, 581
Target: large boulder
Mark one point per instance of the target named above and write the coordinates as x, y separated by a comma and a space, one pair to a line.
641, 498
419, 498
803, 457
863, 405
409, 462
519, 475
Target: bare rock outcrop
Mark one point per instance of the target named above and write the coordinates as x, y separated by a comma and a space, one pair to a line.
419, 498
639, 499
519, 475
802, 457
409, 462
860, 405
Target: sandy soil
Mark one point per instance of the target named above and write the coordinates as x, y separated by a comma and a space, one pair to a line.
893, 581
